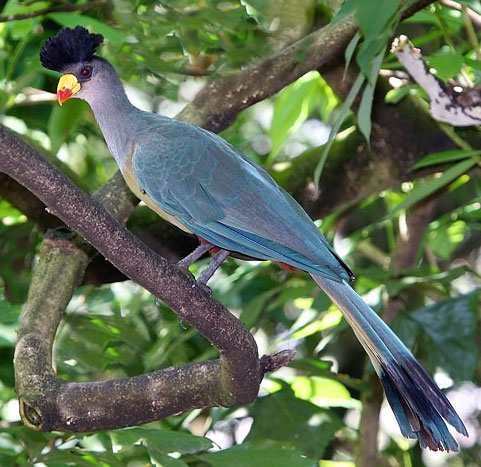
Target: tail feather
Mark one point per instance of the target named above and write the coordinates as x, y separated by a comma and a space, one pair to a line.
419, 406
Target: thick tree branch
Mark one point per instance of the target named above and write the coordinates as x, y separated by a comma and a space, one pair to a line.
50, 403
217, 105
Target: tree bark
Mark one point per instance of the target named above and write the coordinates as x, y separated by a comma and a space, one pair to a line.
48, 403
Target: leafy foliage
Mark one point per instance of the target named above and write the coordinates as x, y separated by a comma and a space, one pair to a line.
165, 51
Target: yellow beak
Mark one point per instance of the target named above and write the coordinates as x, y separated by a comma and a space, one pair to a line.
68, 85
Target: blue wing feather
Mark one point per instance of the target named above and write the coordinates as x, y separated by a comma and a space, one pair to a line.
212, 188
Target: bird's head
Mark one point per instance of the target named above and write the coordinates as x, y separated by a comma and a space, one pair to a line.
72, 53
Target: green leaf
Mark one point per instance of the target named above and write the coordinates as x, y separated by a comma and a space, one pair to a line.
327, 463
476, 64
345, 108
323, 368
71, 20
419, 276
8, 313
376, 25
255, 307
326, 320
396, 95
163, 459
63, 121
446, 334
292, 109
163, 440
447, 64
444, 240
324, 392
240, 456
364, 112
19, 30
319, 367
421, 191
298, 423
78, 458
8, 335
446, 156
349, 52
373, 19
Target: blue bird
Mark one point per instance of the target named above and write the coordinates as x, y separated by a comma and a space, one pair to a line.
203, 185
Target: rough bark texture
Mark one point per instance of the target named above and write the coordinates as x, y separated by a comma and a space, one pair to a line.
217, 105
38, 388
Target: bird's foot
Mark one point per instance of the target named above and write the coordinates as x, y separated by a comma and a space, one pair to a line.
184, 270
218, 259
201, 250
205, 288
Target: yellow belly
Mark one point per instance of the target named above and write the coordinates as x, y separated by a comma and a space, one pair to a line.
133, 184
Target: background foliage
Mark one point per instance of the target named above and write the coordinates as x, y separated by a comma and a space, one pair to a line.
306, 414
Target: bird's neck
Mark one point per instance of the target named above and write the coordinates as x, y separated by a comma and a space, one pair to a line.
116, 117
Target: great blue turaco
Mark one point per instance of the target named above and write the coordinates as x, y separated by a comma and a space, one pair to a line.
203, 185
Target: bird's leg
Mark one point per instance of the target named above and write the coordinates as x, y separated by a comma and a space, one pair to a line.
191, 258
217, 260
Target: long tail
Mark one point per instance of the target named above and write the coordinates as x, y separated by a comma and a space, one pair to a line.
417, 402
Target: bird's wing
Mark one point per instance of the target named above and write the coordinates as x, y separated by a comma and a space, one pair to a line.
222, 196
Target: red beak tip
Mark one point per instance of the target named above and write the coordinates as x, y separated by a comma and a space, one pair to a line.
63, 96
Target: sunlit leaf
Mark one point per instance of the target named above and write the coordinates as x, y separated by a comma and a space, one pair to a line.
444, 241
327, 320
446, 156
324, 392
240, 456
292, 109
63, 122
298, 423
446, 65
396, 95
423, 190
345, 108
72, 19
164, 440
445, 333
364, 113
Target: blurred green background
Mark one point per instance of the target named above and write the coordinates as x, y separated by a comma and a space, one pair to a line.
308, 413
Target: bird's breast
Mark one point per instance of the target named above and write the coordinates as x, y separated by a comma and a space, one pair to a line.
133, 184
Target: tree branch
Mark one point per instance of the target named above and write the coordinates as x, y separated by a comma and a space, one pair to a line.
49, 403
217, 105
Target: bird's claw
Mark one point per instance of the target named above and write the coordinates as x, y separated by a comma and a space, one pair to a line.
205, 288
184, 270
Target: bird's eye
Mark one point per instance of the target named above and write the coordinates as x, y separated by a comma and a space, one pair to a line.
86, 71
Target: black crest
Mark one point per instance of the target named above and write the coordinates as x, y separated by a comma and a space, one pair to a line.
69, 46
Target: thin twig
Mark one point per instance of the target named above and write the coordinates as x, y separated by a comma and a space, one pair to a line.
54, 9
475, 17
468, 25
